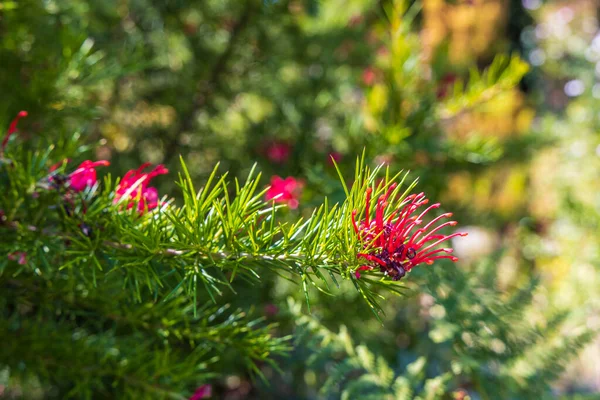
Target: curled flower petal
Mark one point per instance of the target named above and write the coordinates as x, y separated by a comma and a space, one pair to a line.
362, 268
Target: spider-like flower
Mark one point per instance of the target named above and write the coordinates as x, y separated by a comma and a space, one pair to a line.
135, 186
397, 241
85, 175
80, 179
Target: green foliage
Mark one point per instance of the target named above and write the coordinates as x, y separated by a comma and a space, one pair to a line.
357, 372
504, 73
79, 345
162, 268
498, 338
180, 249
113, 304
480, 336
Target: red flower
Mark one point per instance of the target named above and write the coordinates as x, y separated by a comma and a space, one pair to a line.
80, 179
134, 185
20, 256
395, 241
278, 151
203, 392
85, 175
12, 129
285, 191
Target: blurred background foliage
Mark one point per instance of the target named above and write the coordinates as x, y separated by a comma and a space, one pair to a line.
491, 103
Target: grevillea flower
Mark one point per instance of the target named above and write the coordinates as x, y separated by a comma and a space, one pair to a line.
80, 179
285, 191
12, 129
397, 241
134, 185
203, 392
278, 151
85, 175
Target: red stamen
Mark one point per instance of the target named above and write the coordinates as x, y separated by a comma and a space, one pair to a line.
368, 206
424, 229
354, 222
372, 258
437, 228
395, 239
12, 128
439, 241
142, 167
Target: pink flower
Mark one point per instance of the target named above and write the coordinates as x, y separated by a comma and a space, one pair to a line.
134, 185
394, 240
12, 129
285, 191
85, 175
278, 151
21, 256
203, 392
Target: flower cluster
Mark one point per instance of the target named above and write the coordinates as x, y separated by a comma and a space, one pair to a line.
82, 178
285, 191
134, 186
395, 241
